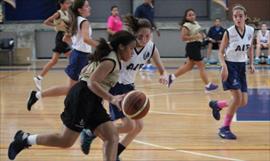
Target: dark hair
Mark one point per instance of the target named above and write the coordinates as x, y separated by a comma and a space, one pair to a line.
184, 20
104, 48
134, 24
59, 3
113, 6
74, 13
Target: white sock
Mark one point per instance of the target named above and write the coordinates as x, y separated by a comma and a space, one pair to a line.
208, 85
268, 56
38, 94
40, 77
257, 57
173, 77
32, 139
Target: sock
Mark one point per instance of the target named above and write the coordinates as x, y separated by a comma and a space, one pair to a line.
257, 57
32, 139
268, 56
39, 77
222, 104
38, 95
208, 85
227, 120
173, 76
121, 148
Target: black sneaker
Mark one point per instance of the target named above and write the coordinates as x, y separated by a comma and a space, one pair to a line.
87, 138
18, 144
170, 80
31, 100
225, 133
215, 109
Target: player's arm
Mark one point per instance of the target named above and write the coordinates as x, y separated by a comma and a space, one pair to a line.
186, 37
221, 54
161, 69
103, 69
258, 42
85, 34
251, 58
49, 21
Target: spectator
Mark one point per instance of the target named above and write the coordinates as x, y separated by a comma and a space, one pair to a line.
263, 42
114, 23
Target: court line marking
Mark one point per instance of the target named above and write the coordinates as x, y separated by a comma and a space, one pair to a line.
170, 113
187, 152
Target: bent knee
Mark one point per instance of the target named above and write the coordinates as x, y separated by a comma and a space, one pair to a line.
139, 126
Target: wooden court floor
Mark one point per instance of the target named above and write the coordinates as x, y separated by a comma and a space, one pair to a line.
179, 126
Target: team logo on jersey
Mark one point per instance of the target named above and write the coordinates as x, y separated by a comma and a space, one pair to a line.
134, 67
146, 55
244, 47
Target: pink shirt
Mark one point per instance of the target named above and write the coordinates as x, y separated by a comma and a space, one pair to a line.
115, 23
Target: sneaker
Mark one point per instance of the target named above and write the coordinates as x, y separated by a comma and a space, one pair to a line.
256, 61
37, 81
211, 88
268, 61
226, 133
31, 100
18, 144
215, 109
170, 80
87, 138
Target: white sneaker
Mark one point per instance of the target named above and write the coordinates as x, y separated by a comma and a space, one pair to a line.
37, 81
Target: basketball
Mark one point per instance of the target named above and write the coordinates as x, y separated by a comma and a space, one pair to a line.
135, 105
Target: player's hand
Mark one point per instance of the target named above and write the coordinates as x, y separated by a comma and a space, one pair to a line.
224, 73
67, 39
252, 68
163, 79
116, 100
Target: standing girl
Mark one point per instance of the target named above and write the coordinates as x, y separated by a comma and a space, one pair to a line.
114, 23
82, 44
59, 21
144, 51
237, 41
190, 31
83, 103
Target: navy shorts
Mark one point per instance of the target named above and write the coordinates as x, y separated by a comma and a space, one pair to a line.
117, 90
60, 45
77, 60
237, 76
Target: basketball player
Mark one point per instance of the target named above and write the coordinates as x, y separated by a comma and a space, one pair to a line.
59, 21
263, 42
82, 47
144, 51
237, 41
83, 103
190, 32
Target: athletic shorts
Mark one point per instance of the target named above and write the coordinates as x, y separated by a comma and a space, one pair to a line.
60, 45
237, 76
83, 109
77, 60
119, 89
193, 51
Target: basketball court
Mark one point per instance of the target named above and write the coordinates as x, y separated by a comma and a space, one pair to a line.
179, 126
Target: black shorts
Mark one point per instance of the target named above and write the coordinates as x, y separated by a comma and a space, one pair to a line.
83, 109
60, 45
193, 51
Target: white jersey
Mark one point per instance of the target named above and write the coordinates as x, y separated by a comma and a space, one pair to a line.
264, 38
239, 45
77, 40
139, 58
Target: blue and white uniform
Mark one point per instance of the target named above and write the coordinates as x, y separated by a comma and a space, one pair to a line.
128, 73
236, 57
79, 55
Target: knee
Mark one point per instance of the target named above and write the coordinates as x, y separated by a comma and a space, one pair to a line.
139, 126
243, 102
130, 125
113, 138
237, 101
53, 61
